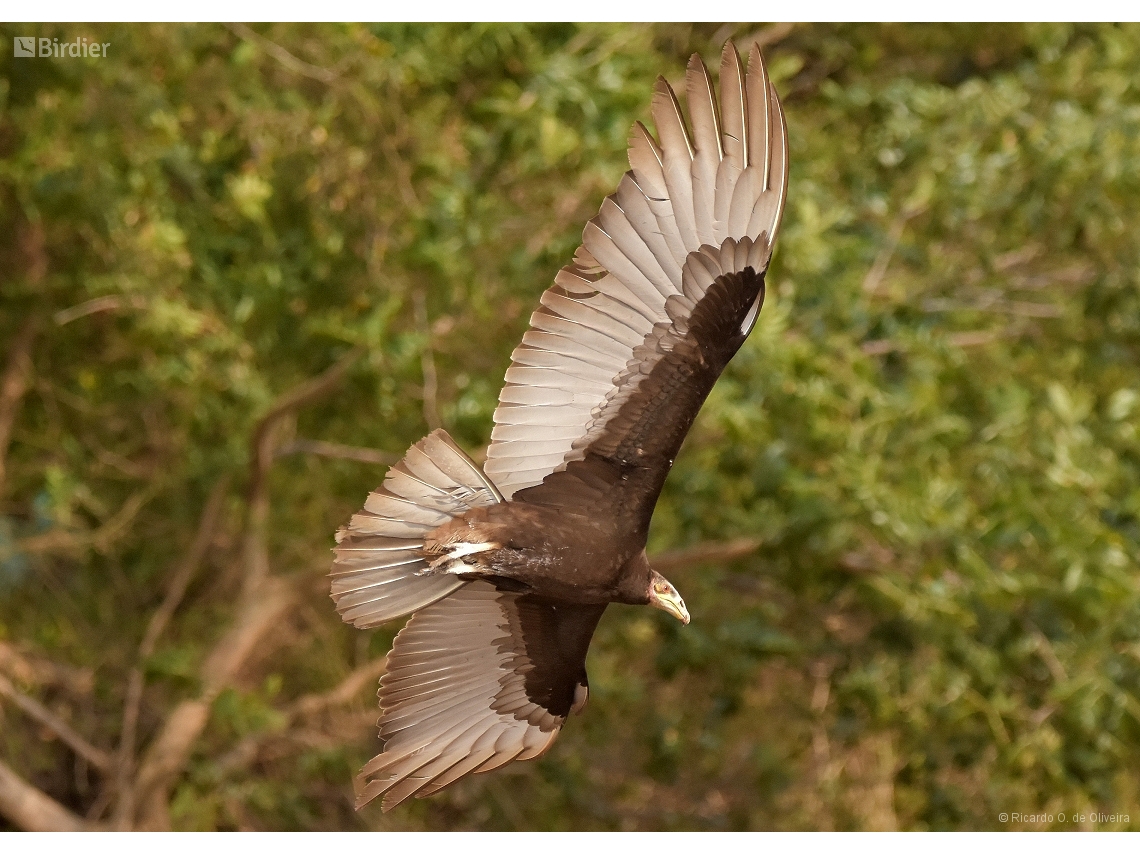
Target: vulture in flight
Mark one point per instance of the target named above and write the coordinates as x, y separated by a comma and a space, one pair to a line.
506, 569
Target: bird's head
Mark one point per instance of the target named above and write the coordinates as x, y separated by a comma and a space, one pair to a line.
664, 596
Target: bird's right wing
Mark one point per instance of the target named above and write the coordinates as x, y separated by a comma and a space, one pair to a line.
474, 681
691, 225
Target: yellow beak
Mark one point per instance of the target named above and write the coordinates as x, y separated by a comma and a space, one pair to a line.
664, 596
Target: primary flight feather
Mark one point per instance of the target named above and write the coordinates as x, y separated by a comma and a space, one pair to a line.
507, 570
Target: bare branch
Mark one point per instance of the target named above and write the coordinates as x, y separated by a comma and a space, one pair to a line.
765, 36
246, 751
176, 590
180, 581
258, 615
401, 170
104, 536
873, 557
261, 458
97, 757
1048, 655
1078, 275
336, 449
348, 688
101, 538
13, 384
299, 66
966, 338
171, 749
31, 809
879, 347
427, 363
263, 601
1017, 257
704, 553
306, 393
107, 303
975, 338
1024, 308
878, 271
32, 670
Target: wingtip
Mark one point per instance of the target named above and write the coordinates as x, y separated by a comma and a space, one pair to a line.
367, 791
756, 61
697, 65
662, 91
360, 791
755, 54
729, 53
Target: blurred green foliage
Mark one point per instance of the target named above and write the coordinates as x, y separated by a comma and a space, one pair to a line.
933, 430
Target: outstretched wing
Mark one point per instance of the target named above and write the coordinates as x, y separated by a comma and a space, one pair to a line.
474, 681
627, 343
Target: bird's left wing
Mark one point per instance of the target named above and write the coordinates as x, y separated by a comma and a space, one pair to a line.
474, 681
664, 288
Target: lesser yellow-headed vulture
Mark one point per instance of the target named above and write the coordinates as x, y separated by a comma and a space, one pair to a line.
507, 569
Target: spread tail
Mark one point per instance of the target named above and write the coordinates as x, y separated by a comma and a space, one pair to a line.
378, 573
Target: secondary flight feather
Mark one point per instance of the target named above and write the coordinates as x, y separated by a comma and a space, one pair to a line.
507, 569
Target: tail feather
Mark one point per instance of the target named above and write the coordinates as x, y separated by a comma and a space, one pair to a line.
379, 554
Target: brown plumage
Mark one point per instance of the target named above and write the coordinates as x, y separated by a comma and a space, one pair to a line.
506, 571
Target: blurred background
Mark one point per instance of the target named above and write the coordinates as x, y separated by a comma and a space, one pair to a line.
242, 269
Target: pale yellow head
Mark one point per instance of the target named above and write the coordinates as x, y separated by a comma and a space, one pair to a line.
664, 596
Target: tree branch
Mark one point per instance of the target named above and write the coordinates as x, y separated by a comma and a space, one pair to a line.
336, 449
873, 281
765, 36
30, 809
262, 602
995, 305
283, 56
966, 338
97, 757
345, 690
176, 590
246, 751
704, 553
36, 670
101, 538
13, 384
427, 365
262, 453
107, 303
171, 749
